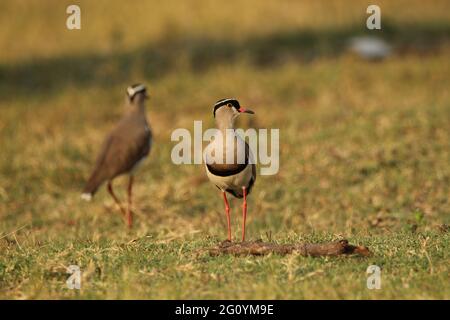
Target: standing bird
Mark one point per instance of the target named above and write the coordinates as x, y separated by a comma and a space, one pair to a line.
123, 149
235, 177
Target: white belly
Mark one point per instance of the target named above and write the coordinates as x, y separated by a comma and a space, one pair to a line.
235, 182
137, 165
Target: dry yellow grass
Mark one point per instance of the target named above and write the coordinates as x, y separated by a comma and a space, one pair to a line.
364, 147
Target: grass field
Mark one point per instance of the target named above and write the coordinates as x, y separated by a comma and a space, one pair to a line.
364, 148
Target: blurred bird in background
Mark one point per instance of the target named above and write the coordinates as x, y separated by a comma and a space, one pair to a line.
123, 150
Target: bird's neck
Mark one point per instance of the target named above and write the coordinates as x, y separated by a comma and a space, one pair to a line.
136, 108
225, 124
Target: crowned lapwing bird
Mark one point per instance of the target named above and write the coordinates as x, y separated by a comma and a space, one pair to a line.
229, 161
123, 149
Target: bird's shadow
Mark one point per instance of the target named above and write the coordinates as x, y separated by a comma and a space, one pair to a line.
44, 76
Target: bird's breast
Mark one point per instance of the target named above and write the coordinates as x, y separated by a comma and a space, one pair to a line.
231, 182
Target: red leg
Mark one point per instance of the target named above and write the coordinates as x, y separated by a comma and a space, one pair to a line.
227, 211
129, 214
116, 200
244, 213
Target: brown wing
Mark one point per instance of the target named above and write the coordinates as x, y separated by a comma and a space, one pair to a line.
252, 180
122, 150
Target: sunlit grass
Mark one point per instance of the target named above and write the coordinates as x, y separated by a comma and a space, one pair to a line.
364, 150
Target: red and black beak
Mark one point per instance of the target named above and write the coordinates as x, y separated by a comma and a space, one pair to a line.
243, 110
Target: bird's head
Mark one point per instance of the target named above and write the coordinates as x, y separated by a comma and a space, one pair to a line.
137, 93
228, 110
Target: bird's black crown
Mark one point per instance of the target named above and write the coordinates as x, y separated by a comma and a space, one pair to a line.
224, 102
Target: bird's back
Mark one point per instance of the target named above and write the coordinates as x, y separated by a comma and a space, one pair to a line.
126, 145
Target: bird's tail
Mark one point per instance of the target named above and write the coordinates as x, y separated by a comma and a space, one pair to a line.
86, 196
90, 188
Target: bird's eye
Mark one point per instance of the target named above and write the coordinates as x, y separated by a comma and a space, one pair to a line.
229, 105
